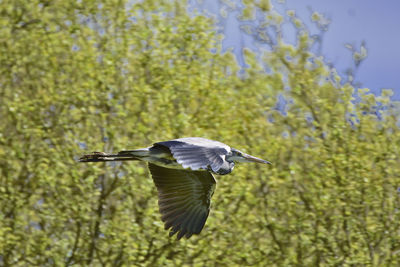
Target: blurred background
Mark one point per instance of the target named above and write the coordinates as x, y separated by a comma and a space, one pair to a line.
262, 76
347, 26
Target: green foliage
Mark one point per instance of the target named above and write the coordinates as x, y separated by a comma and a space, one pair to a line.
81, 76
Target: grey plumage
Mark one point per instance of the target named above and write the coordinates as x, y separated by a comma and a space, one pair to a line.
198, 153
182, 172
184, 198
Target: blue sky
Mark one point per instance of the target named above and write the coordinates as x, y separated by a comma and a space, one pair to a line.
352, 21
375, 22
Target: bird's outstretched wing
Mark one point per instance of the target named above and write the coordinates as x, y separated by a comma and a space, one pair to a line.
199, 154
183, 198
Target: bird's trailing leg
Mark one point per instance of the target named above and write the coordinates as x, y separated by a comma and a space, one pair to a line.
151, 154
102, 156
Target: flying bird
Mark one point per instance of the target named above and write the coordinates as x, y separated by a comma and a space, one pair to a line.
182, 170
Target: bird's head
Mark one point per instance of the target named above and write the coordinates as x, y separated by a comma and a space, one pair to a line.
239, 156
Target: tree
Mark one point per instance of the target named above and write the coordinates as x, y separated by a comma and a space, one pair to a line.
80, 76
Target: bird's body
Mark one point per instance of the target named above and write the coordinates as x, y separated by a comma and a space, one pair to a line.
182, 172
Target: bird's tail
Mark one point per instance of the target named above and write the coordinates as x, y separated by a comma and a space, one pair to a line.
101, 156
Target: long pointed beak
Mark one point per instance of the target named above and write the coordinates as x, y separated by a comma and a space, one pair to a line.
250, 158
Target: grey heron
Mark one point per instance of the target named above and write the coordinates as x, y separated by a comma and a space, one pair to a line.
182, 170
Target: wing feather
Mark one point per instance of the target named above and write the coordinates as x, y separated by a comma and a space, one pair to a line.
184, 198
198, 153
